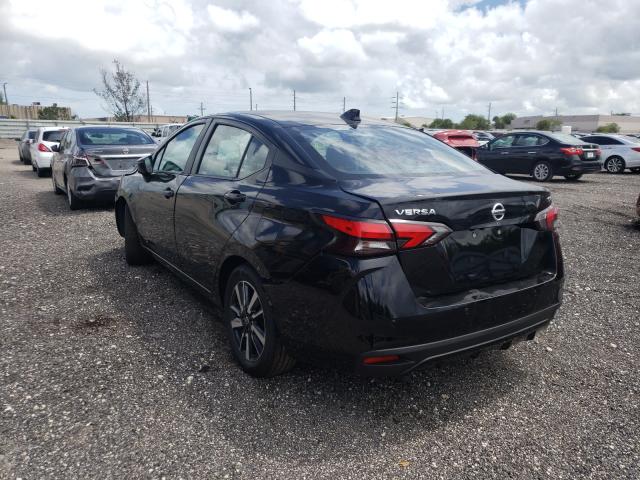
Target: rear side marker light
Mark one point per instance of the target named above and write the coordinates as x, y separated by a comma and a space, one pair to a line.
380, 359
43, 148
635, 149
547, 218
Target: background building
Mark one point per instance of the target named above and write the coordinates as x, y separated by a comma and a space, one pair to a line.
582, 123
32, 111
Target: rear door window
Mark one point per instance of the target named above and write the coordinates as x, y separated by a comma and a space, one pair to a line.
52, 135
224, 153
254, 159
505, 141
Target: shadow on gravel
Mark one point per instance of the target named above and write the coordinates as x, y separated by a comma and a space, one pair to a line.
50, 203
316, 412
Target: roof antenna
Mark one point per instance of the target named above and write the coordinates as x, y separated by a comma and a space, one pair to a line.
351, 117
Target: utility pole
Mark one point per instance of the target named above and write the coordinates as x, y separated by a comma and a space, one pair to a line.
396, 104
251, 99
256, 107
344, 104
4, 87
202, 109
489, 115
294, 100
148, 104
442, 113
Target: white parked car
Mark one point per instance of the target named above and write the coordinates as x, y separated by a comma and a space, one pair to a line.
40, 149
618, 151
164, 131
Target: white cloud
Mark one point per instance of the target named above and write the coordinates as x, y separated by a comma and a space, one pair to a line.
333, 47
231, 21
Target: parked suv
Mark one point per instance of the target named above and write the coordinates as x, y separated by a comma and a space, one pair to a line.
24, 142
618, 151
89, 161
41, 148
161, 133
541, 155
341, 240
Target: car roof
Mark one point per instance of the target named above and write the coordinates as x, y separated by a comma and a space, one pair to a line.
297, 118
129, 127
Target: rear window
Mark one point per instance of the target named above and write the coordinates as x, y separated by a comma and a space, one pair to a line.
52, 135
113, 136
382, 150
566, 138
32, 134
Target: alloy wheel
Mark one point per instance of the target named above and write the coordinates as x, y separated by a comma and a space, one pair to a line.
248, 323
541, 171
614, 165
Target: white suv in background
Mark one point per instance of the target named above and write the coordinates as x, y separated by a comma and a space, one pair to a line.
162, 132
40, 149
618, 151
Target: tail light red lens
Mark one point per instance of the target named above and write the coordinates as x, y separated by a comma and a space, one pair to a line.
380, 359
43, 148
635, 149
571, 150
547, 218
375, 237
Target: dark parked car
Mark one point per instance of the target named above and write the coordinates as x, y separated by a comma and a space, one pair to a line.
24, 142
88, 163
342, 241
541, 155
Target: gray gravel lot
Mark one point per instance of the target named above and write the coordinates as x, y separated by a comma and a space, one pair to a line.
112, 371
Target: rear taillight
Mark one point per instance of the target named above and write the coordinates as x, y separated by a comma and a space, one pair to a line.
380, 359
418, 234
547, 218
571, 150
635, 149
43, 148
376, 237
81, 159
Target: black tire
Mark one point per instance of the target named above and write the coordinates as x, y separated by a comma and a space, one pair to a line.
573, 177
245, 325
26, 161
542, 171
74, 202
56, 189
614, 164
635, 170
134, 252
33, 167
41, 172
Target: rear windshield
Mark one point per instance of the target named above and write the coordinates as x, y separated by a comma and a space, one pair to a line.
382, 150
566, 138
113, 136
32, 134
52, 135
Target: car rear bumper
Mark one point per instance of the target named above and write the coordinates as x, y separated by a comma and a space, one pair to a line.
338, 311
87, 186
414, 356
42, 159
581, 167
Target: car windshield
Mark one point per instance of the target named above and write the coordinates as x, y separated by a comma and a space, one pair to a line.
52, 135
383, 151
565, 138
113, 136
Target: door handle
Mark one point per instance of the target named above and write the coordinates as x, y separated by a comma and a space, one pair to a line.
168, 193
504, 153
531, 152
235, 196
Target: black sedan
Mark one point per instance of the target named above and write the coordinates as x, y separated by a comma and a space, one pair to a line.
88, 163
344, 241
541, 155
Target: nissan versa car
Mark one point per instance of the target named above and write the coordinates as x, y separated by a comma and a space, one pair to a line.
42, 147
344, 241
541, 155
89, 161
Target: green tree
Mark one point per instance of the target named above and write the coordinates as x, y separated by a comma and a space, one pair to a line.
474, 122
609, 128
503, 121
548, 124
121, 92
53, 113
441, 123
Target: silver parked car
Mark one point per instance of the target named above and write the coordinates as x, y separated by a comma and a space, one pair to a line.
618, 151
24, 142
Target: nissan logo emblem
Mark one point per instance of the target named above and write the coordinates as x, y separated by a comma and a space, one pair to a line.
498, 211
125, 150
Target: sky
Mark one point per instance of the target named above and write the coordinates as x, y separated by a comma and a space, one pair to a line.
457, 56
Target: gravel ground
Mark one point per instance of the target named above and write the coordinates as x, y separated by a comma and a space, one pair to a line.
112, 371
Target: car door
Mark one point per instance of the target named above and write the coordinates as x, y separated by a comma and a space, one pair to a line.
212, 202
57, 160
526, 151
154, 208
498, 153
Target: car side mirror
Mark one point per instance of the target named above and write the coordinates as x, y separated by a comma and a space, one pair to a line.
145, 166
55, 148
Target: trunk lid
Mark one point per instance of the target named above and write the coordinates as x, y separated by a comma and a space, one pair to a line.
114, 161
486, 246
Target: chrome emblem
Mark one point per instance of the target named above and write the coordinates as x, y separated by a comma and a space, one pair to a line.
498, 212
125, 150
